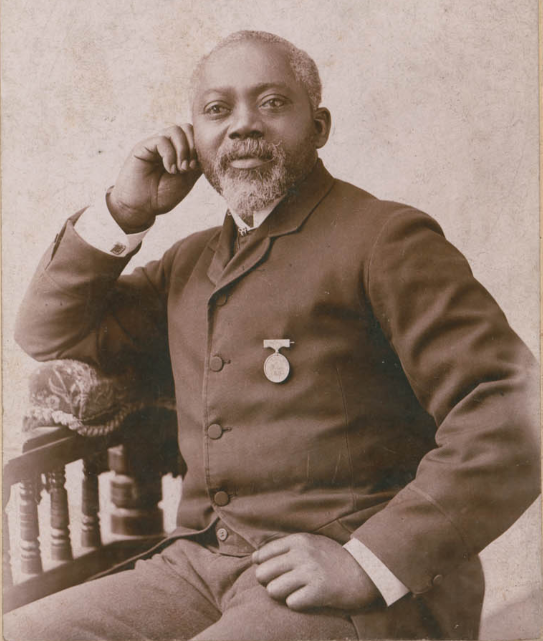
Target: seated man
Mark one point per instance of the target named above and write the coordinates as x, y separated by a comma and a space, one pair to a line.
355, 412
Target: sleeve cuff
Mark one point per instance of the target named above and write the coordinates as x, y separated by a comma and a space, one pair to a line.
387, 583
97, 227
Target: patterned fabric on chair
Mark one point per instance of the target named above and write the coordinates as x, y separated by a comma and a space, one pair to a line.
77, 395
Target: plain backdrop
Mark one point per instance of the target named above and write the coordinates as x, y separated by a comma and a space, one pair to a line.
434, 103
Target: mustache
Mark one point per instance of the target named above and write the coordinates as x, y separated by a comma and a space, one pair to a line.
250, 148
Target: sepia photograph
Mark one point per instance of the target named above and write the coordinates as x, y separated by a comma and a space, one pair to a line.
271, 320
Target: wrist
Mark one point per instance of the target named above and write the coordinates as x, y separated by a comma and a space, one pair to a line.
128, 221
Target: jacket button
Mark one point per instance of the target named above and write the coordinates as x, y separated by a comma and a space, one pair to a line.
214, 431
221, 498
438, 579
222, 534
221, 299
216, 363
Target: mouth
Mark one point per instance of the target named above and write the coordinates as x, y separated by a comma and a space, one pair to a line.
249, 162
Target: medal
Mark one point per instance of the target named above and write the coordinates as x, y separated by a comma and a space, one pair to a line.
276, 366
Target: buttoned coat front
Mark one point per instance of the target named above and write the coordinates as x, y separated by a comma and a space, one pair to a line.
406, 420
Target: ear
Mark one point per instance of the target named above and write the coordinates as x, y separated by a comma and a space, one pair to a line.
323, 124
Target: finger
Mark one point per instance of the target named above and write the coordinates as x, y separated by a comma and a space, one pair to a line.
166, 151
302, 599
189, 133
284, 585
271, 549
272, 568
181, 145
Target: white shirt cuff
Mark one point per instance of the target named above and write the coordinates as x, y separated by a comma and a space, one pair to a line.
390, 587
98, 228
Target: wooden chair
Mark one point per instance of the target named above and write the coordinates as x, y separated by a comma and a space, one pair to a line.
135, 440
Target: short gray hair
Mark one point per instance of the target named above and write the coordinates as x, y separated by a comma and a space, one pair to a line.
303, 66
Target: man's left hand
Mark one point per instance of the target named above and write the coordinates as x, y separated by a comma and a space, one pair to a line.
308, 571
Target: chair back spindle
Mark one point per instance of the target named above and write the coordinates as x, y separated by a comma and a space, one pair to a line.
30, 528
136, 490
61, 546
90, 505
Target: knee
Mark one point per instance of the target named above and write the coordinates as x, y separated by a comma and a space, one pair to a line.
48, 619
23, 624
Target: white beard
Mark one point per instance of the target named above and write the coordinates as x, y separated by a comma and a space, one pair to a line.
250, 190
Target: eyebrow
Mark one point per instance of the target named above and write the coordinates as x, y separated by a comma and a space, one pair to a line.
262, 86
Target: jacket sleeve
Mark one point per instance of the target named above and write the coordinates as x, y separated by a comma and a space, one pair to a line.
78, 306
473, 374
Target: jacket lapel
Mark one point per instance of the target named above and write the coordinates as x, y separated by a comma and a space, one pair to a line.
286, 218
221, 245
290, 213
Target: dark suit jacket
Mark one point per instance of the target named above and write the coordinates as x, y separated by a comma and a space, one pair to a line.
407, 420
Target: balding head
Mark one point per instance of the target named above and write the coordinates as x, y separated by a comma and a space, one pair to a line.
303, 66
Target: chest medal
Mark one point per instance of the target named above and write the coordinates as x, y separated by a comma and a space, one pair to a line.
276, 366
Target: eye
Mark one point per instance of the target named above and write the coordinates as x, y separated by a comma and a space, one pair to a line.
216, 109
274, 103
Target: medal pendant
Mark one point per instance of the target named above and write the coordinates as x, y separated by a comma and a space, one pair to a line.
276, 366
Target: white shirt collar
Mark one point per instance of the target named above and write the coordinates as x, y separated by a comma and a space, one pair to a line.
258, 216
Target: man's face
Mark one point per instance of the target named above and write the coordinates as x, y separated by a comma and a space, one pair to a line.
256, 134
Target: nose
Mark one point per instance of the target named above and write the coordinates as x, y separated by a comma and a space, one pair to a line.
246, 123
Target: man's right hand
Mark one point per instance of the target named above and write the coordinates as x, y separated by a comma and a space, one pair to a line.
159, 172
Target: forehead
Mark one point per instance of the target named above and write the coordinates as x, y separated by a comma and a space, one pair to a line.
243, 65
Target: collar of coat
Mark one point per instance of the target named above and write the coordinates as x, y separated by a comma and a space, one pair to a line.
287, 217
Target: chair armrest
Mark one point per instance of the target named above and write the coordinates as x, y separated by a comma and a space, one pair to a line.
78, 396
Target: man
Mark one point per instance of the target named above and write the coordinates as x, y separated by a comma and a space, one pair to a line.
354, 409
